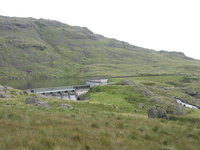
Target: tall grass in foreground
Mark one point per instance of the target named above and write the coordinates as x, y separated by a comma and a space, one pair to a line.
110, 120
92, 126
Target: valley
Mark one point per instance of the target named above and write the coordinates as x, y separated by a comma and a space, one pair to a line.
151, 101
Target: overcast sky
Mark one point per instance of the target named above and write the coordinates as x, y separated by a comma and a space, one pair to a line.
172, 25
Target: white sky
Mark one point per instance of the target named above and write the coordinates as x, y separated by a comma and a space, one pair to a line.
172, 25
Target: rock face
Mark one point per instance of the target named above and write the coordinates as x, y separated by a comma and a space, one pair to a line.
157, 112
36, 102
66, 106
4, 92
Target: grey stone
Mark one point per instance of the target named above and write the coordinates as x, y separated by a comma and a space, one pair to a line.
27, 92
5, 96
36, 102
147, 93
8, 87
178, 110
154, 99
174, 109
32, 100
42, 104
18, 93
194, 94
157, 112
2, 88
127, 82
66, 106
141, 105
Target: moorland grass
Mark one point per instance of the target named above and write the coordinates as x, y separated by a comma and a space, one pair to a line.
39, 48
107, 121
91, 128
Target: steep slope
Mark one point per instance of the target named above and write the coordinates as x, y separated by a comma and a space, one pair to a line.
45, 48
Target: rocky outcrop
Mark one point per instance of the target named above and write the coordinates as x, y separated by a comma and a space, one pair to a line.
8, 87
157, 112
66, 106
126, 82
141, 105
143, 90
36, 102
194, 94
2, 88
5, 95
5, 91
174, 109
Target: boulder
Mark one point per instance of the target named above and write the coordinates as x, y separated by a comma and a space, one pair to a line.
5, 95
126, 82
27, 92
178, 110
18, 93
194, 94
2, 88
147, 93
36, 102
144, 91
32, 100
174, 109
141, 105
154, 99
157, 112
8, 87
42, 104
66, 106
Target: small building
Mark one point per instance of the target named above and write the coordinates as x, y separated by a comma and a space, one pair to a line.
96, 82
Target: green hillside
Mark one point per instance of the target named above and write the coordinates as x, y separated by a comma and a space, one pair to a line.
45, 48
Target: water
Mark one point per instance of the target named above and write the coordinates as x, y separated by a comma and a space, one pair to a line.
42, 83
72, 96
67, 97
186, 105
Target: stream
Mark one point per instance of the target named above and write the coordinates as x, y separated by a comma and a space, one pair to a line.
179, 101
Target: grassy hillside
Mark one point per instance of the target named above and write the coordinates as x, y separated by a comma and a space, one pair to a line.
45, 48
111, 119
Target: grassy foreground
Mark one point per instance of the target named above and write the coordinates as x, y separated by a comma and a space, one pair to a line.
110, 120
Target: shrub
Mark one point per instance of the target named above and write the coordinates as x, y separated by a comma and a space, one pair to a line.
157, 112
126, 82
96, 89
190, 78
135, 99
133, 135
94, 125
